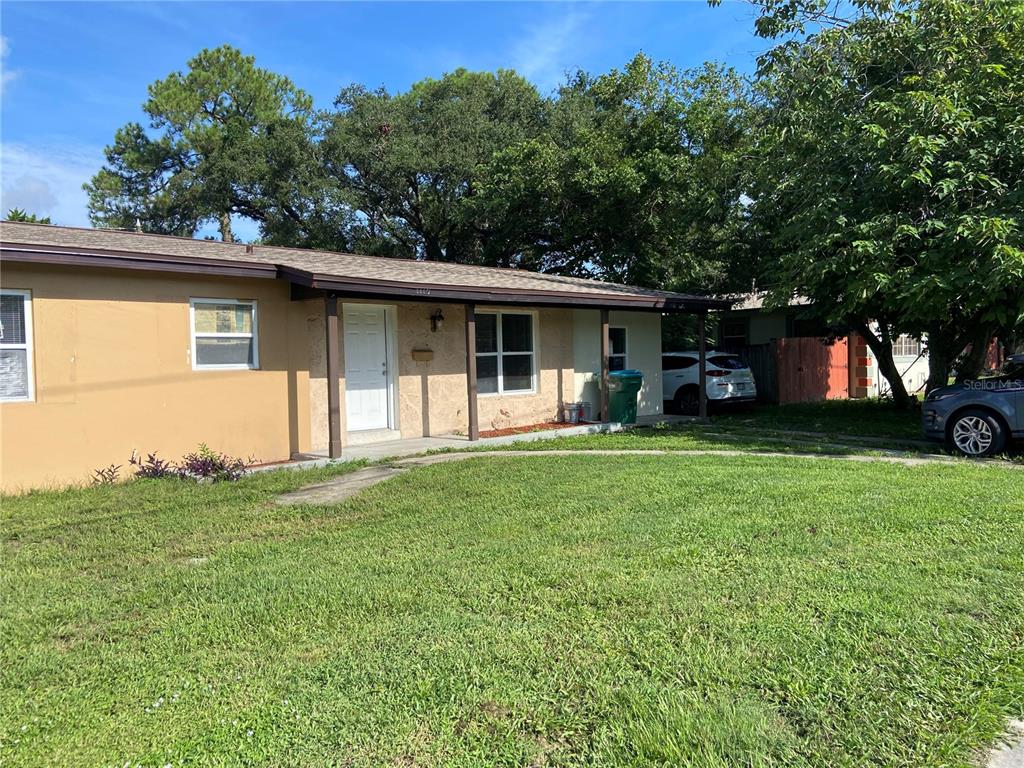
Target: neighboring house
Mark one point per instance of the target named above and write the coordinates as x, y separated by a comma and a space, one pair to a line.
782, 344
116, 342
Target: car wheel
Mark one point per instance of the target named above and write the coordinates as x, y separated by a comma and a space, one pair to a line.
977, 433
688, 401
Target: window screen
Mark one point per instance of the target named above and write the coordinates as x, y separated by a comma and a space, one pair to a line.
504, 352
224, 333
617, 349
15, 346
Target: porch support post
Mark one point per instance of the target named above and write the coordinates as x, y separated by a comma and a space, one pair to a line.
702, 376
605, 379
333, 377
471, 388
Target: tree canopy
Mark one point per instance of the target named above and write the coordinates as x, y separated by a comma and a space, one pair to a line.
19, 214
890, 170
413, 163
228, 132
637, 178
632, 175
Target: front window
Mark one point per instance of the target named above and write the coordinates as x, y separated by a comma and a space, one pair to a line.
617, 349
224, 334
504, 352
16, 382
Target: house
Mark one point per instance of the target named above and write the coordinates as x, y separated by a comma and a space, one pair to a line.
116, 342
796, 357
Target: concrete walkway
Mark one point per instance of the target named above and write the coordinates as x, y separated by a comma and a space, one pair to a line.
389, 449
1011, 753
340, 488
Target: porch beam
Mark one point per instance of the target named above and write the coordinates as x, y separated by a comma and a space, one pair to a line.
702, 375
605, 378
333, 376
471, 386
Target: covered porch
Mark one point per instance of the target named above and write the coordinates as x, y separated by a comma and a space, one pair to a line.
344, 443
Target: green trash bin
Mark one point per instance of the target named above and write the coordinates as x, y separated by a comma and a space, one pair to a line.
623, 388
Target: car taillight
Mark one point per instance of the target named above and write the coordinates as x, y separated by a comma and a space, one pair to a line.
717, 374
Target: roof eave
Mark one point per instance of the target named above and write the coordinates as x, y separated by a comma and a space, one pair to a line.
58, 255
361, 287
511, 296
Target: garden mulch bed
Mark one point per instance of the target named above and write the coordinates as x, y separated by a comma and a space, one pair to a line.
528, 428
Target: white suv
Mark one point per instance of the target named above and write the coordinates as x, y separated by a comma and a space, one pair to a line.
729, 380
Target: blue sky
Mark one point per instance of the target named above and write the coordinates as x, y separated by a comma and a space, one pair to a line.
75, 72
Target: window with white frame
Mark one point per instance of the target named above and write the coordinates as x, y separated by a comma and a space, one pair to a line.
224, 334
504, 352
16, 381
906, 346
617, 349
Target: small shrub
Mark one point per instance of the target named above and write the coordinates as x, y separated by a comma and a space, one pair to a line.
106, 475
153, 467
208, 464
201, 464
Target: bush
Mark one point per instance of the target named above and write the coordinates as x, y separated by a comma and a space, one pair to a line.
201, 464
207, 464
106, 475
153, 467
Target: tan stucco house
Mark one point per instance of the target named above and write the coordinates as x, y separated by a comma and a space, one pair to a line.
115, 342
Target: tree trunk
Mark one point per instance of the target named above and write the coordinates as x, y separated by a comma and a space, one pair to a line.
974, 361
940, 358
225, 228
881, 347
432, 248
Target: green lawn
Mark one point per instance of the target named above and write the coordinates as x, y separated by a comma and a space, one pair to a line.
866, 418
584, 610
687, 437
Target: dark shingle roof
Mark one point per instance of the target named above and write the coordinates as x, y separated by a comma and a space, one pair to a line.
325, 269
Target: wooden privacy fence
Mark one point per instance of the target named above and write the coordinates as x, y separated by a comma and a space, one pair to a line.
811, 369
799, 370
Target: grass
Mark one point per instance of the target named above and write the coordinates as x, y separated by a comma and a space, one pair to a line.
684, 437
862, 418
585, 610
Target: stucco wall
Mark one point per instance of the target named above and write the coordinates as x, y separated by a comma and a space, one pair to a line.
643, 352
113, 374
432, 398
440, 384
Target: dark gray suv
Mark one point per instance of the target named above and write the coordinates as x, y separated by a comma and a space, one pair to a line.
978, 418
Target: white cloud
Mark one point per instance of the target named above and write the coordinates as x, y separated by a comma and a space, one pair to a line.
47, 180
7, 75
544, 53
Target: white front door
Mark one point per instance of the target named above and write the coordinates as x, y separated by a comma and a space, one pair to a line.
366, 367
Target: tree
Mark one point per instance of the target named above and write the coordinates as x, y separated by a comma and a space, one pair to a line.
636, 179
412, 163
18, 214
890, 165
223, 125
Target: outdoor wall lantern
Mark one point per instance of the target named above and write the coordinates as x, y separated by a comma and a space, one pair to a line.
436, 321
